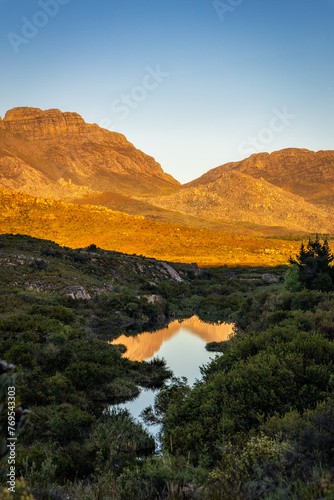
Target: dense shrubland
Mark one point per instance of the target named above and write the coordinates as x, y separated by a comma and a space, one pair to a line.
261, 420
259, 424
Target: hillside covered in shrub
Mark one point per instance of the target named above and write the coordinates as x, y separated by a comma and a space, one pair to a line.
259, 423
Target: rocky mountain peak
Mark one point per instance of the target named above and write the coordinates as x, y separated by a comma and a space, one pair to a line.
35, 123
302, 172
58, 155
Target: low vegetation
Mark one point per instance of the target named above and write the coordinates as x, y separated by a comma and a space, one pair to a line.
259, 423
78, 226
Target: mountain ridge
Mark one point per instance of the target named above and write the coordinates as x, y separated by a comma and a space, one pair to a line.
236, 196
299, 171
58, 155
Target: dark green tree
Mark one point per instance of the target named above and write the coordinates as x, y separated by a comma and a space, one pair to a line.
314, 265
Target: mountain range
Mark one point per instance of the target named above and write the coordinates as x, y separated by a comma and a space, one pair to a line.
50, 154
57, 155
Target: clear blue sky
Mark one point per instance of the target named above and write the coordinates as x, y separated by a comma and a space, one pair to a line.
193, 83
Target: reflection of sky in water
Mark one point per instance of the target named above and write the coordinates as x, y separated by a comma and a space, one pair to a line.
147, 344
183, 347
184, 354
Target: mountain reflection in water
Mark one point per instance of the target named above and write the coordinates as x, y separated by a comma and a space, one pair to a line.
145, 345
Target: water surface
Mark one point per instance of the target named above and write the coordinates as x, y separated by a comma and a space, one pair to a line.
182, 344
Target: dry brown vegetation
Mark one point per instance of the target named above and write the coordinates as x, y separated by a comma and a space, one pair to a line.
236, 197
79, 226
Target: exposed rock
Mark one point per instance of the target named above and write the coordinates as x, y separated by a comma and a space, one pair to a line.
34, 123
270, 278
151, 299
36, 287
78, 292
5, 367
57, 155
175, 275
306, 173
239, 197
106, 288
289, 189
17, 175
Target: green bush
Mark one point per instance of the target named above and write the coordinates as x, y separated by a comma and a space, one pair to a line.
292, 282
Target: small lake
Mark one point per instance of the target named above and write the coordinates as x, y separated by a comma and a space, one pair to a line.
181, 344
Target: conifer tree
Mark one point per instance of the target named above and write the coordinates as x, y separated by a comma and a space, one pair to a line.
314, 265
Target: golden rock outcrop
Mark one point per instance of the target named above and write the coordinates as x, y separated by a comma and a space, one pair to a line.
58, 155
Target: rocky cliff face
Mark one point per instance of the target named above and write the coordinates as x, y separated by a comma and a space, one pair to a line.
58, 155
34, 123
238, 197
306, 173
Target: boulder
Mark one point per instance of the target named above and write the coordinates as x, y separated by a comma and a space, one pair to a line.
79, 292
270, 278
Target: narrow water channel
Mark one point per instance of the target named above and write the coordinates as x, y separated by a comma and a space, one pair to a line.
181, 344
